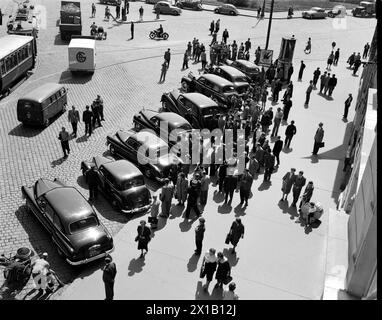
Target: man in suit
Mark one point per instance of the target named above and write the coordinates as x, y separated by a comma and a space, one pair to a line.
316, 75
199, 235
245, 187
269, 164
301, 71
92, 180
230, 184
331, 84
323, 81
318, 137
297, 187
192, 200
74, 118
277, 147
166, 197
87, 117
108, 277
290, 131
347, 106
308, 92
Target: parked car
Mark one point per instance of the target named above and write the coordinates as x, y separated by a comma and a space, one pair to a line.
239, 80
251, 70
201, 111
211, 85
227, 9
189, 4
314, 13
337, 11
80, 237
149, 119
113, 2
153, 1
365, 8
121, 182
147, 151
166, 8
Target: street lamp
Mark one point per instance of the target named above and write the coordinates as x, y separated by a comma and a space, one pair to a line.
269, 24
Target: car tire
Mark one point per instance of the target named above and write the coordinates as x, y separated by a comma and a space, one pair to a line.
185, 86
232, 13
216, 11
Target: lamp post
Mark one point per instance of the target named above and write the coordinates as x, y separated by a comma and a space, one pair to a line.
269, 24
262, 10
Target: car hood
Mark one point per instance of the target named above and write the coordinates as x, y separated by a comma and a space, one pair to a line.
85, 239
134, 192
166, 161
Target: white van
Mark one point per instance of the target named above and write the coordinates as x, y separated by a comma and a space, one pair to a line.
81, 52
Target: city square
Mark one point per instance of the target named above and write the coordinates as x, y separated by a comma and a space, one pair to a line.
280, 257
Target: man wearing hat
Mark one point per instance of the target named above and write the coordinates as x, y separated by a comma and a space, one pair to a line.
109, 273
318, 137
245, 187
166, 197
192, 199
199, 235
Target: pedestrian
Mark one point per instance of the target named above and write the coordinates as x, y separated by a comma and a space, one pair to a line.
92, 181
336, 56
333, 45
278, 87
308, 48
192, 200
322, 81
253, 165
181, 188
87, 117
157, 12
99, 102
143, 237
141, 14
266, 120
269, 164
199, 236
74, 118
230, 293
308, 193
290, 72
235, 233
259, 156
330, 60
287, 106
204, 185
40, 268
203, 58
163, 72
289, 91
297, 187
222, 173
154, 211
117, 11
127, 6
245, 187
208, 267
185, 60
308, 92
107, 13
258, 12
290, 131
326, 84
357, 64
214, 38
167, 57
225, 35
257, 55
229, 186
264, 96
108, 277
248, 45
212, 27
132, 30
301, 71
351, 60
276, 122
223, 271
347, 106
166, 197
96, 114
277, 147
365, 50
93, 10
332, 84
316, 75
217, 26
288, 181
318, 137
63, 136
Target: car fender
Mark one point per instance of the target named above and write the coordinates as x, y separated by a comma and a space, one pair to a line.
28, 194
86, 165
186, 79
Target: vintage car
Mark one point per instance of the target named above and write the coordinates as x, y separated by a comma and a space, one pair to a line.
121, 182
251, 70
190, 4
200, 111
166, 8
70, 220
365, 8
338, 11
172, 124
314, 13
112, 2
239, 80
211, 85
148, 152
227, 9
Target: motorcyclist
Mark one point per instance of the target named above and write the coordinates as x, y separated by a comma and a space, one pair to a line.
93, 29
101, 33
159, 31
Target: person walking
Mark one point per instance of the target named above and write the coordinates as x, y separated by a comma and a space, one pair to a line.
166, 198
167, 57
258, 12
143, 237
336, 56
308, 92
217, 26
192, 200
154, 212
40, 268
301, 71
223, 270
99, 102
93, 10
351, 60
287, 106
199, 236
157, 13
230, 293
248, 45
181, 189
132, 30
92, 181
225, 35
297, 187
266, 121
357, 64
203, 58
269, 164
323, 81
245, 187
257, 55
109, 271
107, 13
326, 84
185, 60
277, 147
276, 122
289, 90
308, 48
290, 72
264, 96
308, 193
87, 118
163, 72
288, 180
230, 185
204, 185
208, 267
141, 14
222, 173
316, 75
318, 137
96, 114
117, 11
332, 84
365, 50
74, 118
347, 106
63, 136
235, 233
278, 87
330, 61
290, 131
212, 27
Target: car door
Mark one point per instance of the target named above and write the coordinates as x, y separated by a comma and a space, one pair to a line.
101, 177
181, 105
59, 235
41, 213
193, 115
49, 214
201, 85
132, 146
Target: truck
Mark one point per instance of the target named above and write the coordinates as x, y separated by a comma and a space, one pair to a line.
365, 8
70, 19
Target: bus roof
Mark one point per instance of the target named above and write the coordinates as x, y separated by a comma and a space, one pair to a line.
82, 43
41, 93
10, 43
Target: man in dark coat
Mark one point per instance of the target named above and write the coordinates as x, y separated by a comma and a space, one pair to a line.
166, 196
357, 64
316, 75
167, 57
248, 45
365, 50
185, 60
236, 232
225, 35
192, 200
308, 92
199, 236
290, 72
347, 106
332, 84
301, 71
297, 187
92, 180
290, 131
230, 184
108, 277
278, 87
277, 147
245, 187
287, 106
212, 27
318, 137
269, 164
322, 81
96, 114
222, 174
336, 56
132, 30
87, 117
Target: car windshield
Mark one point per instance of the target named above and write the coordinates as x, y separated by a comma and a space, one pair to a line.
228, 89
210, 111
240, 79
131, 183
83, 224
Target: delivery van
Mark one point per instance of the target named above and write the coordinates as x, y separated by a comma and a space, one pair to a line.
81, 52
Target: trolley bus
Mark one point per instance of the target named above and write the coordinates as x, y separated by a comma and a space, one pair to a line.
17, 56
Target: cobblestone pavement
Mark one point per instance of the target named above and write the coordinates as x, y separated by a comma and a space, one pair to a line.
126, 77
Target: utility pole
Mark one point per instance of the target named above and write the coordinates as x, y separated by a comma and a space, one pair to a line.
263, 10
269, 24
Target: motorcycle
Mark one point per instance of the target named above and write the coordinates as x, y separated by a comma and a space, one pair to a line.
154, 34
19, 267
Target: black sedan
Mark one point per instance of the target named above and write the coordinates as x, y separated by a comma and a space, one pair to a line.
148, 152
190, 4
122, 182
71, 221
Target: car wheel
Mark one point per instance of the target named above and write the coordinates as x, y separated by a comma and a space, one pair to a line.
217, 11
310, 17
232, 13
185, 86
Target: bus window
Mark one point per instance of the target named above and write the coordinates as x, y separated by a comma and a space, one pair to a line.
29, 49
2, 66
20, 55
51, 99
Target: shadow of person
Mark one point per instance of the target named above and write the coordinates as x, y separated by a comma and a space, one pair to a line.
287, 150
176, 211
193, 263
231, 257
225, 208
84, 138
217, 293
264, 185
239, 210
82, 183
284, 206
136, 266
293, 213
185, 225
200, 293
218, 196
161, 224
58, 162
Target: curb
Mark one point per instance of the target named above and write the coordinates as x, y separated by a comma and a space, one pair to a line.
139, 22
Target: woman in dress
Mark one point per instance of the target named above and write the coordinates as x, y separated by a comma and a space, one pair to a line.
208, 268
143, 237
223, 270
288, 181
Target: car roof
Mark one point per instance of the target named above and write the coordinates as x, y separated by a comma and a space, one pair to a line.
122, 170
149, 139
200, 99
12, 42
316, 8
228, 5
69, 204
216, 79
172, 117
232, 71
163, 2
246, 63
41, 93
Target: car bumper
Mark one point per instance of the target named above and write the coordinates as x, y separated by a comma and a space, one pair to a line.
137, 210
84, 261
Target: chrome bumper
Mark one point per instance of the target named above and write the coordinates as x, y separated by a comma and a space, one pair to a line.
99, 256
137, 210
